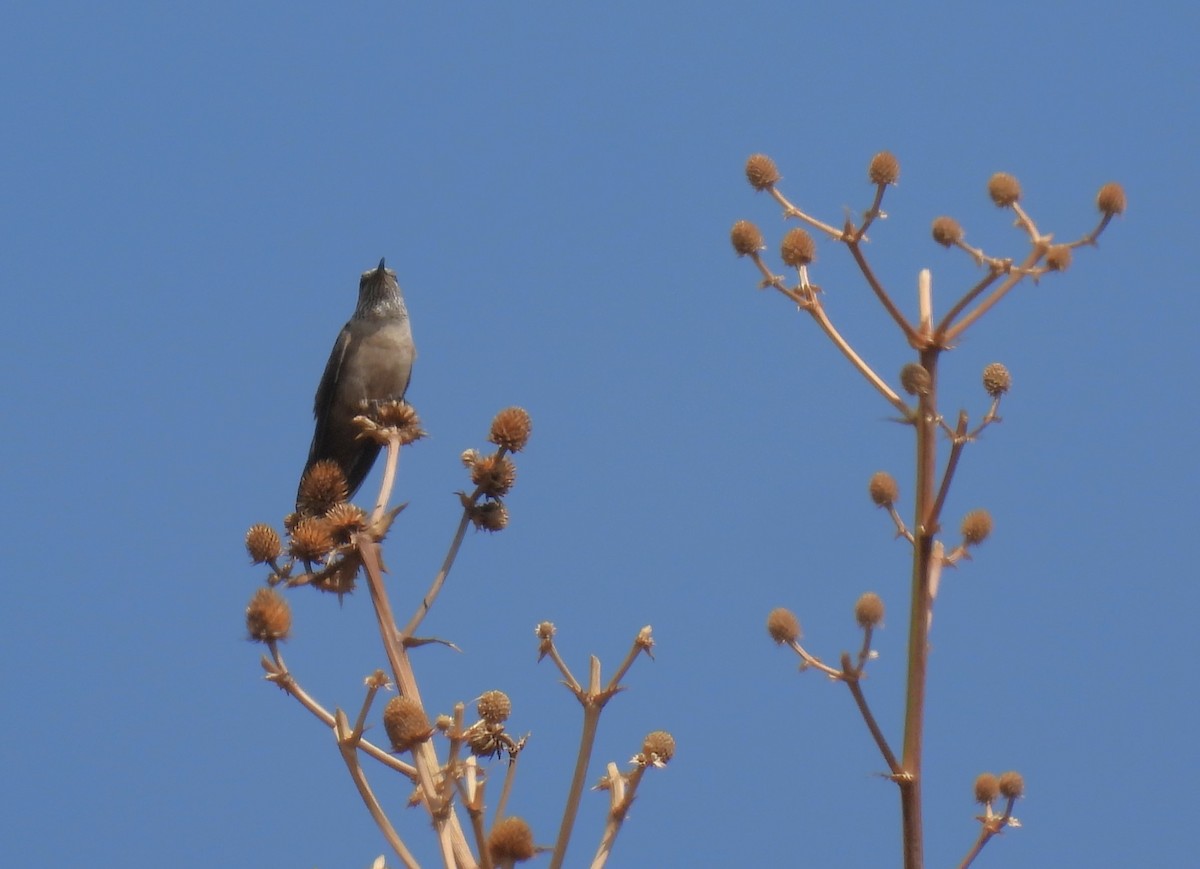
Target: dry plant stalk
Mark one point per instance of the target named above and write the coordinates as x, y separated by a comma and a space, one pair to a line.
330, 545
919, 381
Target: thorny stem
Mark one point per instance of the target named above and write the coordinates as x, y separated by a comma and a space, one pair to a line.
622, 798
909, 779
872, 213
910, 334
790, 210
593, 704
809, 302
990, 825
850, 676
347, 746
951, 334
971, 295
282, 677
956, 447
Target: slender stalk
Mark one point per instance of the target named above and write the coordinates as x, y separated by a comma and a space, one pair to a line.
850, 677
593, 704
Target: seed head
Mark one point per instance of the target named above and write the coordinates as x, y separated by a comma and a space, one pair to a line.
511, 429
511, 840
494, 707
947, 231
658, 747
1058, 257
996, 379
1012, 785
915, 379
761, 172
987, 788
494, 475
783, 626
263, 544
311, 539
1004, 189
406, 723
868, 611
746, 238
343, 520
798, 248
268, 616
976, 526
1111, 198
883, 488
885, 168
490, 515
323, 486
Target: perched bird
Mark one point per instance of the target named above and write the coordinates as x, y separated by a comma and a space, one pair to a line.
371, 362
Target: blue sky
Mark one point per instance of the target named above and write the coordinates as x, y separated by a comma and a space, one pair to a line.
190, 195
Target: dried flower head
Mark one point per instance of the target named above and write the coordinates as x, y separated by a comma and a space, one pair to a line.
976, 526
406, 723
339, 577
311, 539
987, 788
885, 168
996, 379
511, 841
494, 707
344, 520
323, 486
915, 379
1111, 198
494, 475
1058, 257
268, 616
868, 610
263, 544
1012, 785
761, 172
545, 631
489, 515
1004, 189
469, 457
947, 231
798, 248
746, 238
883, 488
783, 626
658, 747
511, 428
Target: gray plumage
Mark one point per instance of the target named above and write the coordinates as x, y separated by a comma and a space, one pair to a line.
371, 362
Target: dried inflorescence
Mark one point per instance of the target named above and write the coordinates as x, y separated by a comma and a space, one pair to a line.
868, 610
311, 539
406, 723
996, 379
915, 379
798, 248
883, 488
494, 475
884, 168
987, 788
976, 526
1111, 199
511, 840
1012, 785
494, 707
658, 748
761, 172
511, 428
322, 487
746, 238
263, 543
268, 616
1004, 189
783, 626
947, 231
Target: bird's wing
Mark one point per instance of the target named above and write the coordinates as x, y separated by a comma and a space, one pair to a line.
327, 388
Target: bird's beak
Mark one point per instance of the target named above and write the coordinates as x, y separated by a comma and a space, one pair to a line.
380, 269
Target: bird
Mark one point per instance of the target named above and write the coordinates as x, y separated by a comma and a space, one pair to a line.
371, 362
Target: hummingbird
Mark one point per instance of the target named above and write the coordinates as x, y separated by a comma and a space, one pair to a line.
371, 362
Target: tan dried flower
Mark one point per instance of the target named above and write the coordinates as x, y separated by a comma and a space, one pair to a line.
798, 248
1012, 785
406, 723
268, 616
761, 172
511, 840
868, 610
947, 231
1058, 257
658, 747
263, 543
1004, 189
494, 707
915, 379
996, 379
511, 428
783, 626
746, 238
323, 486
883, 488
976, 526
494, 475
987, 788
311, 539
884, 169
344, 520
1111, 198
